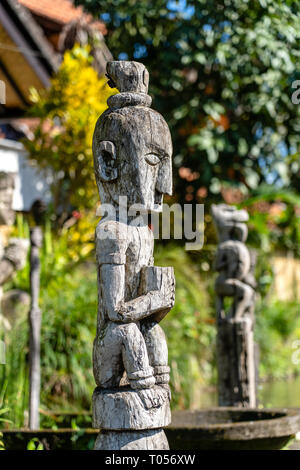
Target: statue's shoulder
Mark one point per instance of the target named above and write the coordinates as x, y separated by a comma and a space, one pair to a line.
111, 242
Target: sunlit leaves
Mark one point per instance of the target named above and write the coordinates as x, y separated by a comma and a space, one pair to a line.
244, 55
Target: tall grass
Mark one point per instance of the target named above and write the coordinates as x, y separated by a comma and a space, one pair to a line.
68, 301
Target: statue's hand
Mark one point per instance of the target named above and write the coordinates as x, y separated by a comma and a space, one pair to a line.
145, 305
169, 296
126, 312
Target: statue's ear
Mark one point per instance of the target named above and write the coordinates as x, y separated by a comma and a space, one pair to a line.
146, 79
106, 161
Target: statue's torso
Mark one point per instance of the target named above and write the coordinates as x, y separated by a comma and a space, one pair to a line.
121, 243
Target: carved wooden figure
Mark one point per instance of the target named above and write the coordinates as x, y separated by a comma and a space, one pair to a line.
235, 343
132, 156
13, 251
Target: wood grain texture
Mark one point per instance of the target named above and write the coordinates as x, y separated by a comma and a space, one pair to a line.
129, 409
152, 439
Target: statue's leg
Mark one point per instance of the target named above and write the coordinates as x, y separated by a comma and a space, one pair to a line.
119, 347
107, 357
157, 348
135, 357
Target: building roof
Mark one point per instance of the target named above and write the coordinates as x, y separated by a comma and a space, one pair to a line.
26, 57
33, 37
60, 11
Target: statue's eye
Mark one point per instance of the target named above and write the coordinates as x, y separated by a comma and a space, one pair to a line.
152, 159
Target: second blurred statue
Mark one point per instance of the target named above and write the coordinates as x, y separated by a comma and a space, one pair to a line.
235, 344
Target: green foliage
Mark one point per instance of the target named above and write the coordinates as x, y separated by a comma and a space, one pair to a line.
69, 321
278, 326
2, 447
221, 74
69, 303
34, 444
14, 375
62, 141
274, 220
3, 410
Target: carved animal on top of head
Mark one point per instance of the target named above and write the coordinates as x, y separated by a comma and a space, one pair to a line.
132, 143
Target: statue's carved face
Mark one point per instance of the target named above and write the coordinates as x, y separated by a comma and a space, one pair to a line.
132, 151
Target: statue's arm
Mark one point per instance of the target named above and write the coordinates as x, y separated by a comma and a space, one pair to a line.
147, 304
112, 278
112, 285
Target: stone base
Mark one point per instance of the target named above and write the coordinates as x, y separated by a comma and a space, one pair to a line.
151, 439
124, 408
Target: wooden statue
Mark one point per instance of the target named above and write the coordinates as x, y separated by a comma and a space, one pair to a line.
235, 343
132, 156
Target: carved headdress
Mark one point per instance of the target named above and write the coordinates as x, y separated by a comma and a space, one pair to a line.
132, 143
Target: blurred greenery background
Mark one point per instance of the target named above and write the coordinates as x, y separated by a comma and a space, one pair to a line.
221, 74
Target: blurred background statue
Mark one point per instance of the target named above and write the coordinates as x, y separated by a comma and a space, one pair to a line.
235, 321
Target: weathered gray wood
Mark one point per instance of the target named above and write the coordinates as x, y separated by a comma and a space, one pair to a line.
36, 238
132, 157
128, 409
151, 439
235, 342
236, 364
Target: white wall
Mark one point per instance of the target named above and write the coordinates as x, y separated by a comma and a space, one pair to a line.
29, 184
